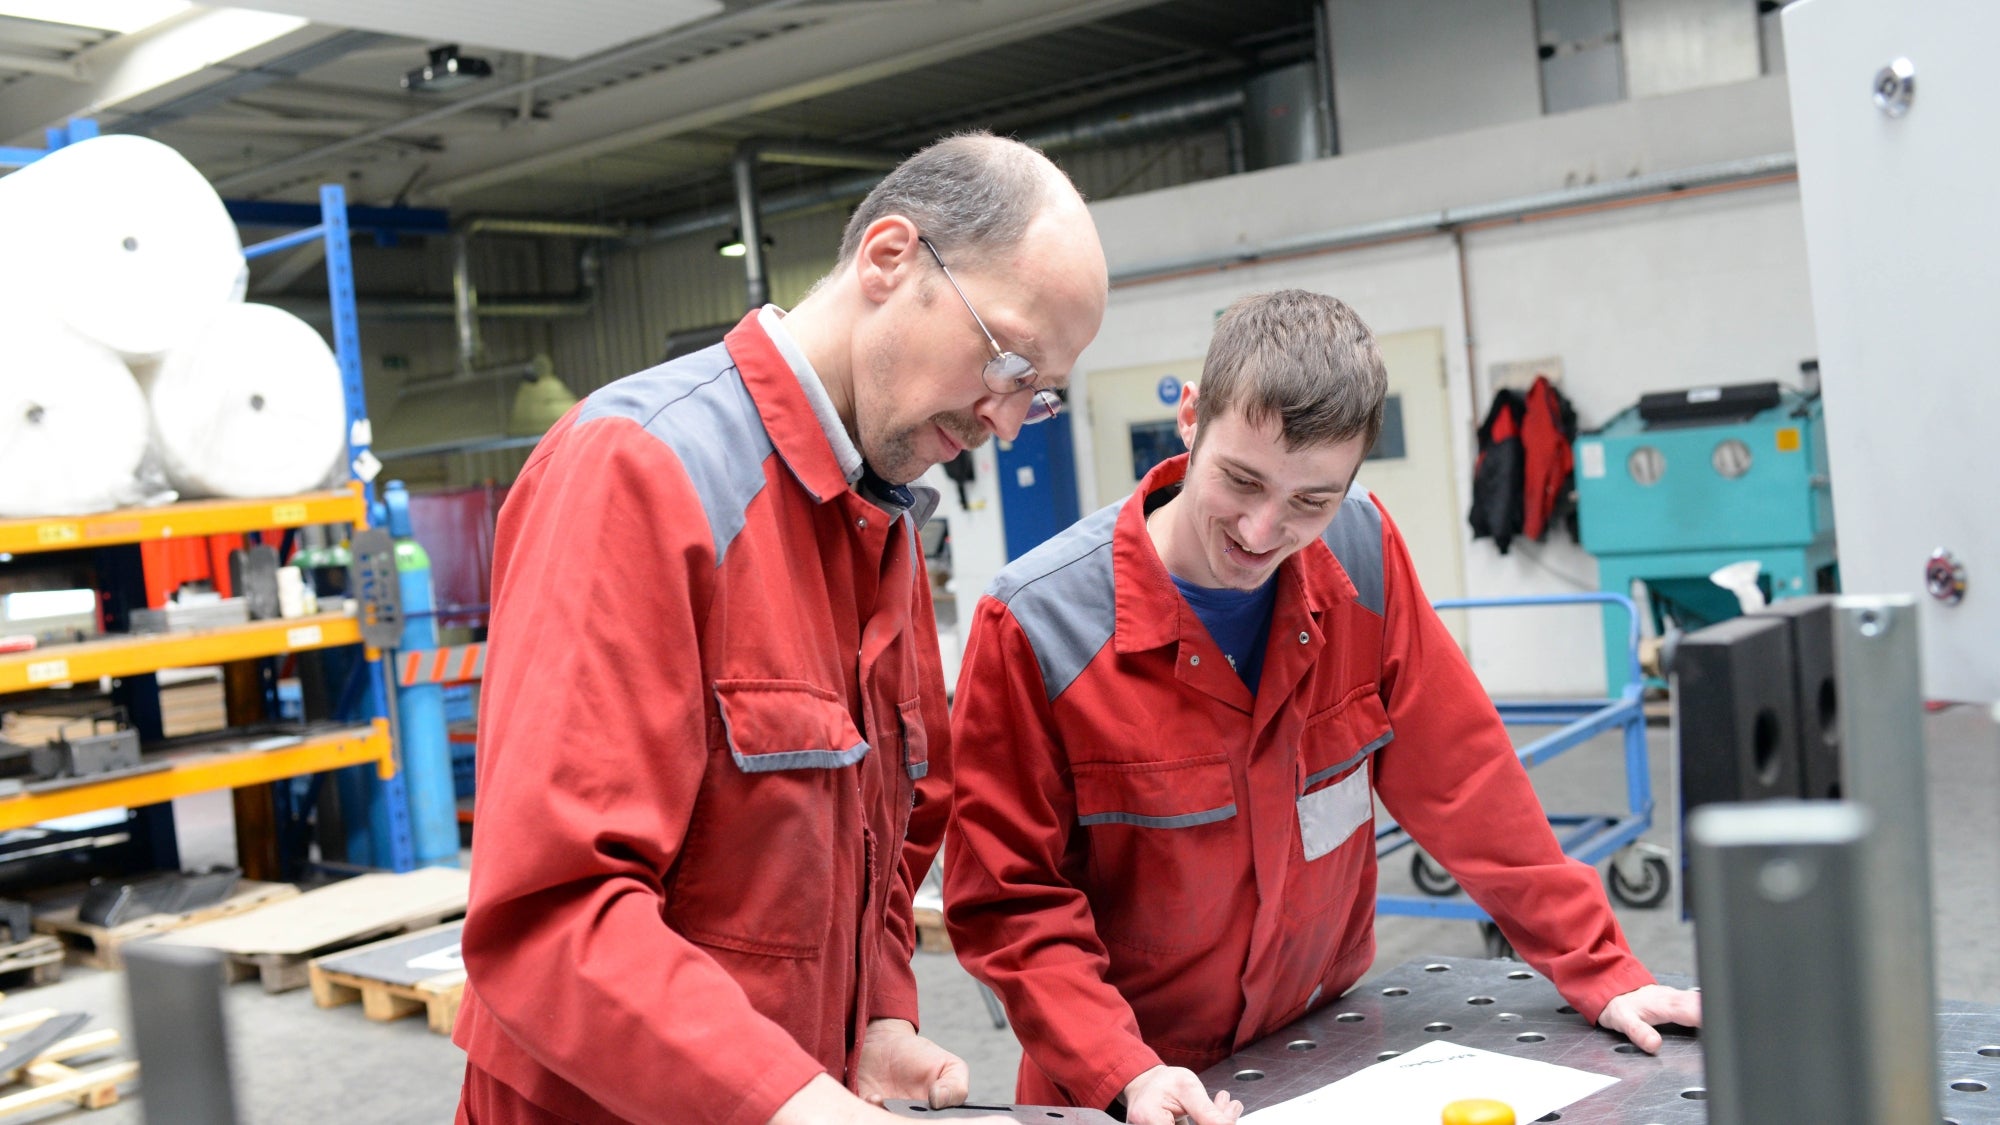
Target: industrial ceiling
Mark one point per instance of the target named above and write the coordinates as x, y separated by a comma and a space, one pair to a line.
269, 103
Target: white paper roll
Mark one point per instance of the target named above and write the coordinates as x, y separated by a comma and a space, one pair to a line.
253, 407
123, 240
73, 426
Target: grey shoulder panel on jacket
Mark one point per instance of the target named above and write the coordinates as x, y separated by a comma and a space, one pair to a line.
1062, 596
698, 407
1355, 537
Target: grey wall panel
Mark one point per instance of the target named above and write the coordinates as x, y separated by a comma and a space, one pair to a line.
1424, 68
1674, 45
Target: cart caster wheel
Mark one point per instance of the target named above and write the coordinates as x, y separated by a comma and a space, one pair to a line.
1431, 878
1650, 890
1498, 948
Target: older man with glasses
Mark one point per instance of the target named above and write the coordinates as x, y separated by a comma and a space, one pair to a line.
714, 759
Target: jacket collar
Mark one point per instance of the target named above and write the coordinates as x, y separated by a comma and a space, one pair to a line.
1148, 603
796, 433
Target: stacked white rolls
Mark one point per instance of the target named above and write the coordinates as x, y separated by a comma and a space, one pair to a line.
73, 424
251, 407
117, 247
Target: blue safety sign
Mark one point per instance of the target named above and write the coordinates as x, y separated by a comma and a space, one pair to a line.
1170, 389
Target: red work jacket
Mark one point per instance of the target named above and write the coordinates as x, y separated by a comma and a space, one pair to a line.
1149, 864
711, 745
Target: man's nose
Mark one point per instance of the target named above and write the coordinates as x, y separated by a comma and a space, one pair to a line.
1003, 415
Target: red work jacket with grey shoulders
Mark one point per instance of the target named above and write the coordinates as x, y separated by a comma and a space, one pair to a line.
711, 746
1149, 864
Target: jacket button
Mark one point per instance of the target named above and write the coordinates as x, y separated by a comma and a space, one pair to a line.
1305, 638
1195, 660
862, 523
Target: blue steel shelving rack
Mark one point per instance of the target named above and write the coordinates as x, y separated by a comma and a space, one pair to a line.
333, 228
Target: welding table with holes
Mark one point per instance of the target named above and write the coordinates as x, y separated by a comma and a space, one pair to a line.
1638, 873
1500, 1006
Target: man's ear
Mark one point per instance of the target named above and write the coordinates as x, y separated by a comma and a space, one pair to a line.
1184, 413
886, 256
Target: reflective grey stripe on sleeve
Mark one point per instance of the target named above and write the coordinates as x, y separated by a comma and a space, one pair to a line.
698, 407
1317, 776
1185, 820
799, 759
1355, 538
1061, 595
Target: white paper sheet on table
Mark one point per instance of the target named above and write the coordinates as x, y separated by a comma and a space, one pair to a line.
1413, 1088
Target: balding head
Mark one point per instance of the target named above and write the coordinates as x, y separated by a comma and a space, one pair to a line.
974, 195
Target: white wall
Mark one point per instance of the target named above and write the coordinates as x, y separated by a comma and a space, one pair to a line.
1412, 69
1654, 297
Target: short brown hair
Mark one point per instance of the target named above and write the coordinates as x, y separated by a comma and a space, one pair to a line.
1303, 358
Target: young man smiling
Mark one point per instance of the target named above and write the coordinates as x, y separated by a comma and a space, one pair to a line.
1172, 722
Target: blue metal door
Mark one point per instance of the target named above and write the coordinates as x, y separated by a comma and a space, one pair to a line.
1037, 485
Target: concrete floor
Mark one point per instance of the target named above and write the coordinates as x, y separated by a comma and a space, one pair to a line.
295, 1063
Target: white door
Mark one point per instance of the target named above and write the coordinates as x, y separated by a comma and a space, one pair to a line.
1132, 421
1412, 469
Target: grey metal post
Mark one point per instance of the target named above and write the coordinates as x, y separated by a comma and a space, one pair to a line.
749, 221
175, 993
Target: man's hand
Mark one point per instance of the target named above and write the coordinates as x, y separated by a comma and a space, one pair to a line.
896, 1062
1164, 1093
826, 1102
1636, 1012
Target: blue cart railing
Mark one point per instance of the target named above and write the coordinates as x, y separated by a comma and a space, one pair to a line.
1639, 875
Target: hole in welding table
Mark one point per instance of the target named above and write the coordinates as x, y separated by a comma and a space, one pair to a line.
1969, 1086
1349, 1017
1249, 1075
1437, 968
1520, 974
1550, 1117
1695, 1094
1565, 1010
1387, 1055
1301, 1045
1437, 1027
1990, 1052
1628, 1049
1395, 992
1530, 1037
1479, 1000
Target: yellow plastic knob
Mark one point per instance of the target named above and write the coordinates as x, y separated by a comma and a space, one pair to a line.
1478, 1111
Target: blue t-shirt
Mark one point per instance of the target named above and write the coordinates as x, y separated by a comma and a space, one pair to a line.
1239, 620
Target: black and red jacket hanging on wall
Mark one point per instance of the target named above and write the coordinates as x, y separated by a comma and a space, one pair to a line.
1521, 481
1547, 431
1499, 473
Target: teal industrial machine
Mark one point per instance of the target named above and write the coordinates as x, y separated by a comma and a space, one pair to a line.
1687, 482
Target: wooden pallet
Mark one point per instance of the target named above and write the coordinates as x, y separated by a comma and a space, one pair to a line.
284, 972
35, 961
98, 947
47, 1078
276, 944
931, 935
436, 996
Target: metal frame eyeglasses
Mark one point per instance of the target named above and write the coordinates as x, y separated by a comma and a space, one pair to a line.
1006, 373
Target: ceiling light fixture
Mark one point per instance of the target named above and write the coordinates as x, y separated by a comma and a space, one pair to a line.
447, 70
733, 247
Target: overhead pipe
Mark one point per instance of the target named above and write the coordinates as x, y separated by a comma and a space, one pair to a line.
1144, 119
